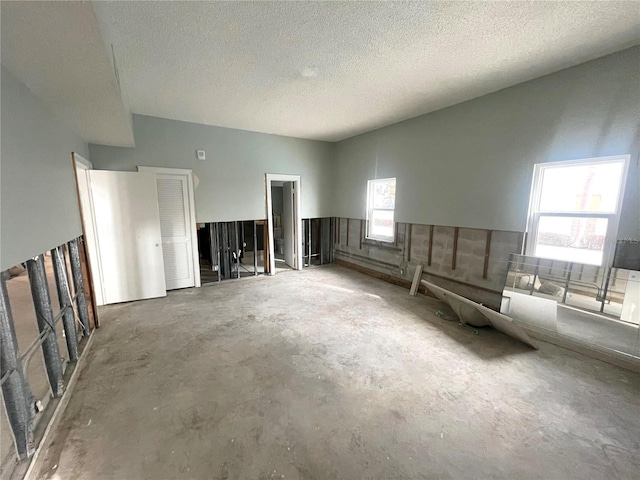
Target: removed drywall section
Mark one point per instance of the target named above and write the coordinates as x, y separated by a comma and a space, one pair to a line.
232, 178
39, 200
470, 262
471, 165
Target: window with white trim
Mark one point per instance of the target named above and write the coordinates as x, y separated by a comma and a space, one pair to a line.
575, 209
381, 203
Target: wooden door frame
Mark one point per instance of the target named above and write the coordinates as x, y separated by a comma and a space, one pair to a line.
80, 163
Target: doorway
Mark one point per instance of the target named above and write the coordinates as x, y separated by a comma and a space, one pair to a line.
282, 215
285, 226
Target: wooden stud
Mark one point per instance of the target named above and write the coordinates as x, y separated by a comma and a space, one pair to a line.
409, 242
430, 245
347, 244
267, 251
360, 236
84, 252
88, 284
454, 256
487, 253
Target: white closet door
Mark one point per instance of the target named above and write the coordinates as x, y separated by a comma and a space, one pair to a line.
177, 248
127, 225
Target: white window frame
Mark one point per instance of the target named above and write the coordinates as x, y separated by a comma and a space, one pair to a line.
370, 209
613, 218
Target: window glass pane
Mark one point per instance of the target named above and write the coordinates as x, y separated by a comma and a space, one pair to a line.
581, 188
383, 193
571, 239
381, 223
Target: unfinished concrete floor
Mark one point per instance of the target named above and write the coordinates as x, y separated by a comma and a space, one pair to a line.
327, 373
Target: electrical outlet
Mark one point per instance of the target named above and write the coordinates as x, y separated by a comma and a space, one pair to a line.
200, 155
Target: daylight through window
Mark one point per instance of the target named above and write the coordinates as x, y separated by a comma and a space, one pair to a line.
381, 202
575, 208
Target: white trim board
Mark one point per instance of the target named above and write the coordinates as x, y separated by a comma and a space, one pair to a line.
81, 162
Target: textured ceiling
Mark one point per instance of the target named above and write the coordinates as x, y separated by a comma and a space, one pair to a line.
320, 70
56, 50
367, 65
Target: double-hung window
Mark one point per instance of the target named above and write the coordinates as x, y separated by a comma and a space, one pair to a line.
575, 209
381, 202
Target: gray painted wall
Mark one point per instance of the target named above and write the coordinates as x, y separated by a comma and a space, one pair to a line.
471, 165
38, 193
232, 178
277, 200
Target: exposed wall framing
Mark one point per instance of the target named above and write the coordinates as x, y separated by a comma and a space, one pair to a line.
470, 262
25, 410
238, 249
317, 248
231, 250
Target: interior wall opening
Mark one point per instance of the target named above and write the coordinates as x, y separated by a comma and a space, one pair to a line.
231, 250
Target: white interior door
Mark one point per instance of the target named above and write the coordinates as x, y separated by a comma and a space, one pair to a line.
287, 224
175, 227
127, 224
